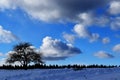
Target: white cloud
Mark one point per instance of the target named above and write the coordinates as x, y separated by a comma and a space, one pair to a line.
106, 40
115, 7
85, 18
2, 58
94, 37
7, 4
1, 54
57, 10
103, 54
2, 61
10, 53
116, 48
54, 49
115, 23
101, 21
43, 10
52, 10
69, 37
82, 31
6, 36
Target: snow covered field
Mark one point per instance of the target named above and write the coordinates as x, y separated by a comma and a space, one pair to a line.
61, 74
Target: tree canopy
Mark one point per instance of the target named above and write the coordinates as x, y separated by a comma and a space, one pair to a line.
24, 53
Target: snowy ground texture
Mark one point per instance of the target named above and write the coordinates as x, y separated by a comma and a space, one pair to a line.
61, 74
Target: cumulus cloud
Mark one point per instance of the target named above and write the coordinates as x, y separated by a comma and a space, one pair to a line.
69, 37
114, 7
116, 48
102, 21
106, 40
82, 31
103, 54
81, 12
52, 10
1, 54
57, 10
2, 58
7, 4
2, 61
43, 10
54, 49
86, 18
6, 36
115, 23
114, 10
94, 37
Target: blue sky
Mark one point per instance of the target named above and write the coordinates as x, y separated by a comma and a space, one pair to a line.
66, 32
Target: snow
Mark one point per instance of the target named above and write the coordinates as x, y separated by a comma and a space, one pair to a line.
61, 74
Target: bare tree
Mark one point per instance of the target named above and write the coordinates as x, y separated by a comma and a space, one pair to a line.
25, 54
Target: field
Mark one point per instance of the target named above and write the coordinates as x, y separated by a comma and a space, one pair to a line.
61, 74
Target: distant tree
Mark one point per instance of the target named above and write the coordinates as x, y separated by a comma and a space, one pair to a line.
25, 54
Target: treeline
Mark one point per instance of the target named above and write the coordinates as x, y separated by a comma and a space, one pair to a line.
25, 55
44, 66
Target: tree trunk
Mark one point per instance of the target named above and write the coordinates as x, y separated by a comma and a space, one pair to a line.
25, 65
25, 61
